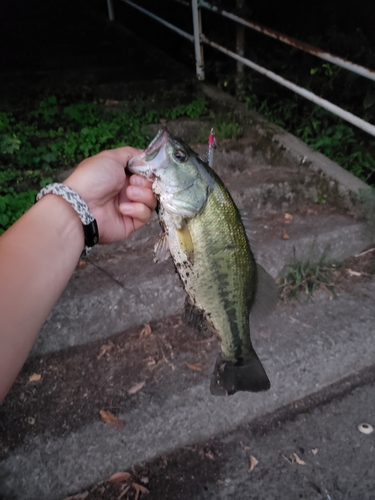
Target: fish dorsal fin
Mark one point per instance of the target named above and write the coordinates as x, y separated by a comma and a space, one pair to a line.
161, 249
266, 295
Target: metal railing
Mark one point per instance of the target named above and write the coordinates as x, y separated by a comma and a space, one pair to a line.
199, 39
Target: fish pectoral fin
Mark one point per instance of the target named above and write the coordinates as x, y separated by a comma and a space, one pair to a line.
161, 249
186, 242
266, 295
230, 377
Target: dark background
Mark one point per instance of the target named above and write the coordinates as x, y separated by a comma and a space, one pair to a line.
35, 33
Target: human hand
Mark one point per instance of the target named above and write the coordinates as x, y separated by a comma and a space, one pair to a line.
119, 203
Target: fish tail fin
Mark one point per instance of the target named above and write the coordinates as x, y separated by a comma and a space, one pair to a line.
245, 375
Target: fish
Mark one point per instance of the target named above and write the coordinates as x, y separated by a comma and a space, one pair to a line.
203, 231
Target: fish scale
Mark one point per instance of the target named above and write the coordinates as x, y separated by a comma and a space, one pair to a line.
218, 281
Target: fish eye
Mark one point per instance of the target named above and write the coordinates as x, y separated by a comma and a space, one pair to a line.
180, 155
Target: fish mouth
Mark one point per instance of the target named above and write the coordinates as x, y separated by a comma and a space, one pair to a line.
143, 164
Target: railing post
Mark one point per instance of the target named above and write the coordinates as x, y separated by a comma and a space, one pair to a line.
240, 49
111, 12
198, 46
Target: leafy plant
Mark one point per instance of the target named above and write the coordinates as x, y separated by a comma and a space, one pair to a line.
13, 205
58, 134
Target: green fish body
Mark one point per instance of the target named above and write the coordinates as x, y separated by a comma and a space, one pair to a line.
204, 233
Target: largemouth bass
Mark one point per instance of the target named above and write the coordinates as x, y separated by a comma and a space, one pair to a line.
203, 231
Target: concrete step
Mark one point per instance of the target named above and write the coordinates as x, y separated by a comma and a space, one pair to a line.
305, 347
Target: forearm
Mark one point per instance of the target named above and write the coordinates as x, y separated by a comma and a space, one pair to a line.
38, 255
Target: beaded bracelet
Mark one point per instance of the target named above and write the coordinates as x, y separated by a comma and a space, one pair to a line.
90, 227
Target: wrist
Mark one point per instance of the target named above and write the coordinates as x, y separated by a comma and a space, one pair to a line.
89, 225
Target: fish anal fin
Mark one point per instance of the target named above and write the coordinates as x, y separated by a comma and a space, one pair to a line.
266, 295
230, 377
196, 318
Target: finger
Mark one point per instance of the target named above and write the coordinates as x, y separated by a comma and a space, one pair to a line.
139, 212
137, 180
121, 155
142, 195
122, 197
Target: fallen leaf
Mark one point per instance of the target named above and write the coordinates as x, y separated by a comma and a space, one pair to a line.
197, 367
309, 211
119, 477
288, 218
104, 349
253, 463
145, 332
297, 459
35, 377
139, 489
353, 273
136, 387
314, 451
109, 418
285, 236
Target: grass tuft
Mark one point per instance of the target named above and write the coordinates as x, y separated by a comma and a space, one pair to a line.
306, 277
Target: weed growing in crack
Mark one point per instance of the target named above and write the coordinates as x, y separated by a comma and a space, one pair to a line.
306, 277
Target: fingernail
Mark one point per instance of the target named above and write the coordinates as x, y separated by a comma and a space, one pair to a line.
137, 180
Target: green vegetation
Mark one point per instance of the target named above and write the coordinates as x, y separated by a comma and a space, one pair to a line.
55, 134
306, 277
322, 132
228, 130
343, 143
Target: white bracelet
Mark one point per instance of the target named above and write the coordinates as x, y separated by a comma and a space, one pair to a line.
90, 227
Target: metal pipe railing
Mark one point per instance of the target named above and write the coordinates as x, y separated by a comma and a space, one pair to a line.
346, 115
161, 20
355, 68
198, 38
198, 47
